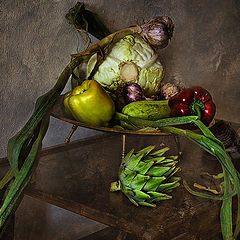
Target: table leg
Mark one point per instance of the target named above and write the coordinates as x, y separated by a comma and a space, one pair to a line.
123, 145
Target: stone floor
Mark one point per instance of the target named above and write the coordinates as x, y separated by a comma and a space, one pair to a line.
36, 220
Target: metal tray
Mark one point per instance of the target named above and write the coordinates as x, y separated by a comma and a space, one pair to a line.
59, 113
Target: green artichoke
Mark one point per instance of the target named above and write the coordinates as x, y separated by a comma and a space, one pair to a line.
146, 177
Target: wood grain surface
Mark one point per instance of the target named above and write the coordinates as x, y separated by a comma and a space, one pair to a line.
77, 177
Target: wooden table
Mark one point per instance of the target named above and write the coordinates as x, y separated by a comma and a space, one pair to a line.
77, 176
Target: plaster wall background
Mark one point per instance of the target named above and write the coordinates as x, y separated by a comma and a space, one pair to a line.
36, 42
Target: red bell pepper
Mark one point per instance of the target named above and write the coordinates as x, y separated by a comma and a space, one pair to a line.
193, 101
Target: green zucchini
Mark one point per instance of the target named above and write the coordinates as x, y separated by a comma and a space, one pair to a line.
149, 110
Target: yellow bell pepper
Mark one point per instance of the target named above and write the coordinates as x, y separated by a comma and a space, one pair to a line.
90, 103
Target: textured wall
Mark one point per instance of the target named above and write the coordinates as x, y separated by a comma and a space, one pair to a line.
36, 43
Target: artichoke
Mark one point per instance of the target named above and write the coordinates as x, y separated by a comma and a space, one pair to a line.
146, 177
130, 60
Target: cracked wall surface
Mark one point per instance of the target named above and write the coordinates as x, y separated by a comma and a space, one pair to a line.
36, 43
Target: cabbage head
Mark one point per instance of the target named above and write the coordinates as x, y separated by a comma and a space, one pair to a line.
130, 60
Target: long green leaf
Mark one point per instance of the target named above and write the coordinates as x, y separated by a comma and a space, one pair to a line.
15, 144
215, 148
226, 210
205, 130
43, 105
237, 228
8, 176
24, 176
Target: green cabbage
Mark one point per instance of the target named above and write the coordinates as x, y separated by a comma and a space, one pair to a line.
145, 68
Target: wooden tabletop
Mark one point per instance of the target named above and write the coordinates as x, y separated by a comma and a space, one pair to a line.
77, 177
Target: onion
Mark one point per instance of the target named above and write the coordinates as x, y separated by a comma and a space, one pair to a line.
133, 92
158, 31
169, 90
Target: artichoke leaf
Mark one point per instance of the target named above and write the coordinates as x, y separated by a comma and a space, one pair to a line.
134, 161
168, 186
153, 183
144, 166
126, 176
128, 156
156, 171
146, 150
160, 152
139, 181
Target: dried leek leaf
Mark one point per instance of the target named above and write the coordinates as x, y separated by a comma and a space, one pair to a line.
83, 19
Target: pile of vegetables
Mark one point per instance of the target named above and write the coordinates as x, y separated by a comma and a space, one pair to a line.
129, 71
124, 88
130, 60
